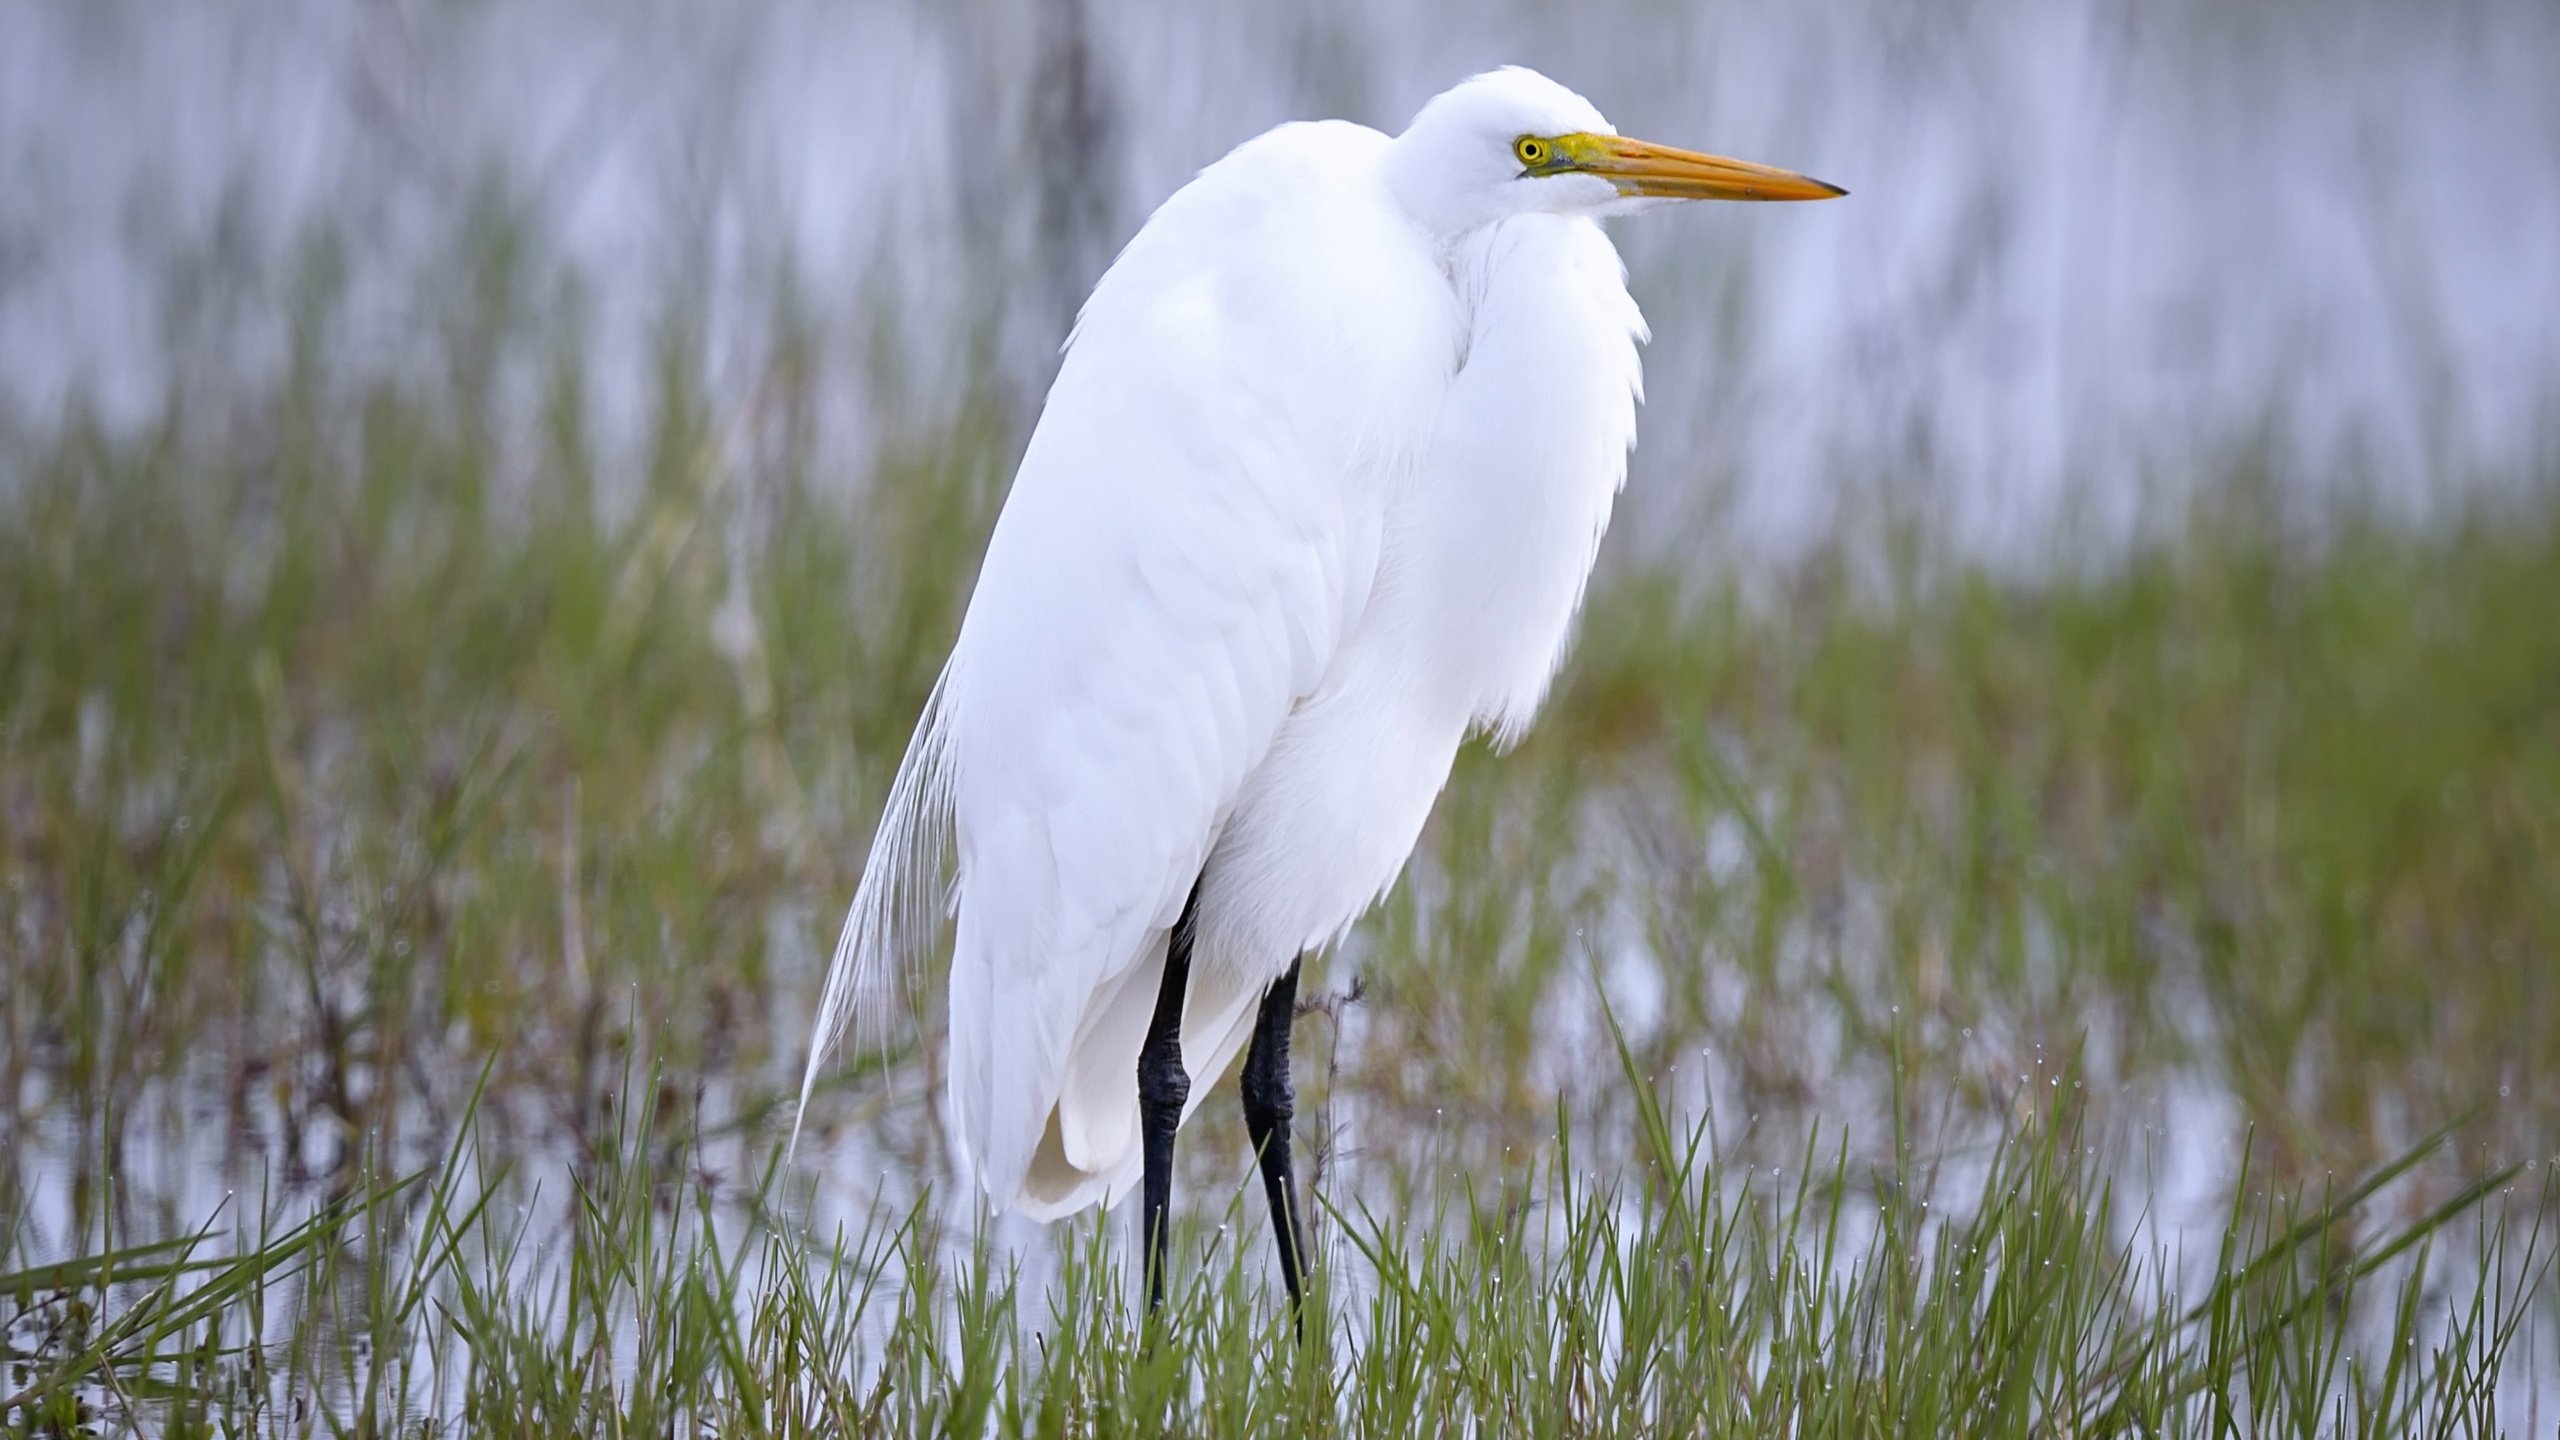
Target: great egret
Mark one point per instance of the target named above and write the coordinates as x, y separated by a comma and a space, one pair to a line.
1313, 498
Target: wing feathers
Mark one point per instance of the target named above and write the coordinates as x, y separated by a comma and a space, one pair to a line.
1195, 525
894, 909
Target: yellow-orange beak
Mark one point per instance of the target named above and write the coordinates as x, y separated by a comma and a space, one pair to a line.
1640, 167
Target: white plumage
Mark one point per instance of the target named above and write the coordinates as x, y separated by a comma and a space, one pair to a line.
1313, 497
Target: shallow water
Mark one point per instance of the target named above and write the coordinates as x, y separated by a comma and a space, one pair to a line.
1768, 1089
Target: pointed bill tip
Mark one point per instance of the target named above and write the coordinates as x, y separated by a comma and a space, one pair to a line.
1640, 167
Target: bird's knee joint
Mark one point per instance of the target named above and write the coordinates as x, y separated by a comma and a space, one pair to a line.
1268, 1101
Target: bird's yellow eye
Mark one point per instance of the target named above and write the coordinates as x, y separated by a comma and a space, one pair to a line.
1533, 152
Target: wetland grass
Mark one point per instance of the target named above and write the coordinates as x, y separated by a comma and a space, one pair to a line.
1911, 1000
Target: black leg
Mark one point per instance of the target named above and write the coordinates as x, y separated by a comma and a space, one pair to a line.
1269, 1103
1163, 1087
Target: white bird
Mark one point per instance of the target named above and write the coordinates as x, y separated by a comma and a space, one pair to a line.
1313, 499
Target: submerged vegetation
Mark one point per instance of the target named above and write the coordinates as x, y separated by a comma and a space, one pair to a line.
1667, 1300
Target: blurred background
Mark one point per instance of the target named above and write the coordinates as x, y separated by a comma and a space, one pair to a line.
2090, 239
487, 486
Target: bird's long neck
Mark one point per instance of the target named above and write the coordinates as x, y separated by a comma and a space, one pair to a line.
1527, 457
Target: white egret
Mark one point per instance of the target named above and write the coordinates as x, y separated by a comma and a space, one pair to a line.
1312, 499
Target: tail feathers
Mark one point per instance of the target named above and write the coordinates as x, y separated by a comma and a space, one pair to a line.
1088, 1148
897, 907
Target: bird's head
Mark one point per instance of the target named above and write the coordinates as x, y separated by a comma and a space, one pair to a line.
1513, 142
